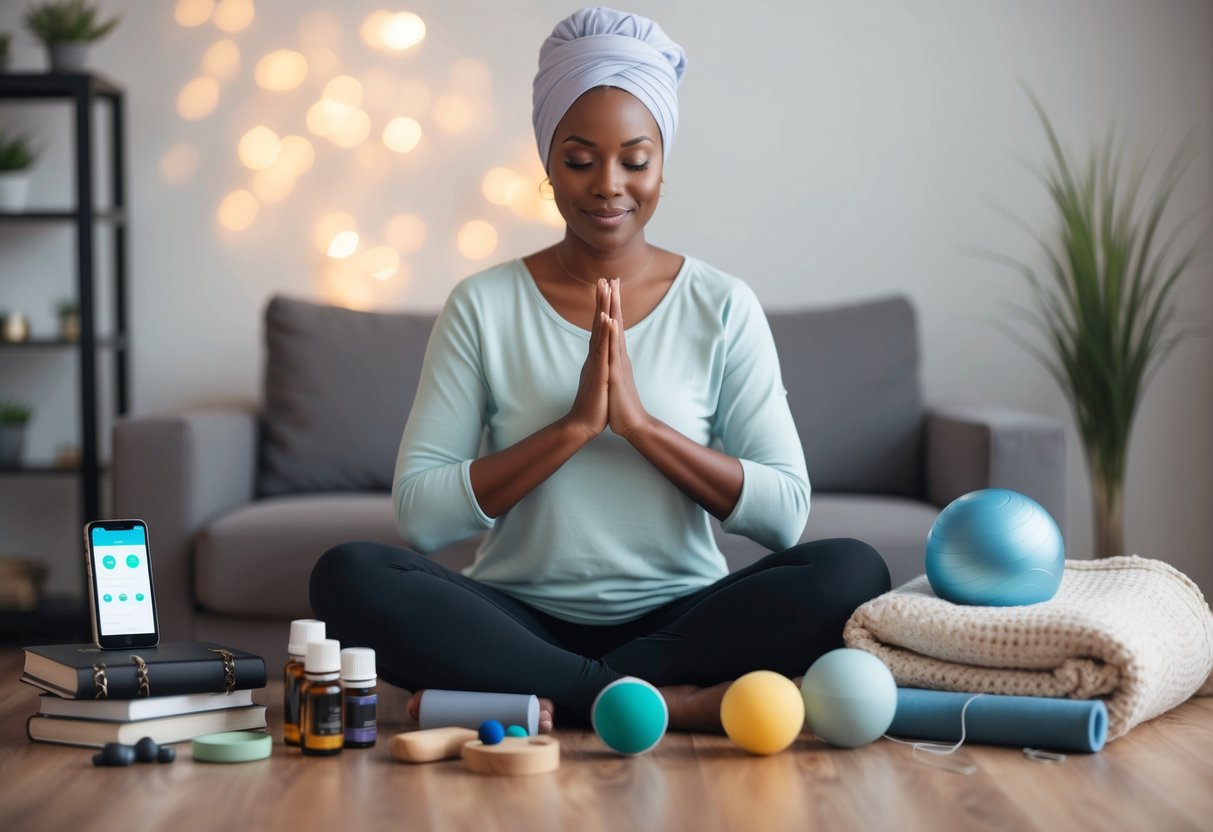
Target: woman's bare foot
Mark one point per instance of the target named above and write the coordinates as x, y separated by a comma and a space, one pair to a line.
546, 711
693, 708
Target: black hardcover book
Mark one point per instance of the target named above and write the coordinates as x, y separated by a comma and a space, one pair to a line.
84, 671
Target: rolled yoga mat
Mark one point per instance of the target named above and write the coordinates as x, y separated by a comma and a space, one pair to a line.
1078, 725
468, 709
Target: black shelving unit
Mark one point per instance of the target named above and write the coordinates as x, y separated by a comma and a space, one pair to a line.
83, 93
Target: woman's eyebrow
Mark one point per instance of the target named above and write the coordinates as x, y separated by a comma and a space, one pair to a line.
588, 143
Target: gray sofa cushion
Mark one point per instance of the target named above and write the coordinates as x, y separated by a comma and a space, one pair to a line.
852, 379
272, 545
338, 387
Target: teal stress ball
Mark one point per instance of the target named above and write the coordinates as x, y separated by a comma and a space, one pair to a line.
849, 697
996, 548
630, 715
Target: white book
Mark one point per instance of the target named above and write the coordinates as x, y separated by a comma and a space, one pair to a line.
130, 710
165, 729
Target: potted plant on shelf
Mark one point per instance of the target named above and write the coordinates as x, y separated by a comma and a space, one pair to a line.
1105, 304
17, 156
13, 418
69, 319
68, 29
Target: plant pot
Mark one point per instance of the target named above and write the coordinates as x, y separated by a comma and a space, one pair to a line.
14, 190
69, 326
69, 57
12, 441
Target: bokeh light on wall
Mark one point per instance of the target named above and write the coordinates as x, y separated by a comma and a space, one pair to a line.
197, 99
322, 62
233, 16
471, 77
281, 70
389, 32
501, 186
190, 13
329, 226
379, 88
238, 210
405, 233
344, 88
296, 155
179, 163
402, 134
319, 29
222, 60
380, 262
343, 245
352, 128
273, 184
477, 239
258, 147
453, 113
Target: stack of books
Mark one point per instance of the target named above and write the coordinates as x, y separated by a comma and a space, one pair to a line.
171, 693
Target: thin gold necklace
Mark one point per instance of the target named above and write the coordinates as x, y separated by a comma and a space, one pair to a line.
594, 283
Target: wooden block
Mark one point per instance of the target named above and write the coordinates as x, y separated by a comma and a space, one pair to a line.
430, 745
513, 755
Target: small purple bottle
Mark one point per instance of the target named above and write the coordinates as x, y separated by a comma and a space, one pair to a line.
359, 697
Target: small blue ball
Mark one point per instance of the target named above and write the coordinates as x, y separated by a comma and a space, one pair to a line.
630, 715
491, 732
997, 548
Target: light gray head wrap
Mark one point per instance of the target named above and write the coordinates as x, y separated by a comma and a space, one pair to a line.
599, 46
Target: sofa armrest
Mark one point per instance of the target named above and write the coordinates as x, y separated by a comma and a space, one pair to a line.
970, 448
177, 472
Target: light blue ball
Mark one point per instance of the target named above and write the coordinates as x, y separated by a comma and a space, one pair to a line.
630, 715
849, 697
995, 548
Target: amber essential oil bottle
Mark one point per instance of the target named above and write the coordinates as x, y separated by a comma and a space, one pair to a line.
322, 713
361, 701
303, 630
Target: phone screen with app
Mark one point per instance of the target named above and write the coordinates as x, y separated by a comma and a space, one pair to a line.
122, 584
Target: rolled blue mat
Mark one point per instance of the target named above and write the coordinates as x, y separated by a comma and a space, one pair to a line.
1078, 725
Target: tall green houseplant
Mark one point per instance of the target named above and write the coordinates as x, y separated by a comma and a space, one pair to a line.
1105, 303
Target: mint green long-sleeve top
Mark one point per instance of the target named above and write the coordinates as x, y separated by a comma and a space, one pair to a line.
607, 537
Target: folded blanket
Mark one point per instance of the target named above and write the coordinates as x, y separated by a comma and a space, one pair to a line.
1132, 631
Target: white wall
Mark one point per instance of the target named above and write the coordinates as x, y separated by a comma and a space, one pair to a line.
827, 152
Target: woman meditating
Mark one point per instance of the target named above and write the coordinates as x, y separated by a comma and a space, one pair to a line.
593, 406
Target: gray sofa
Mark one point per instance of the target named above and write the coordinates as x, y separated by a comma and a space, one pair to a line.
241, 501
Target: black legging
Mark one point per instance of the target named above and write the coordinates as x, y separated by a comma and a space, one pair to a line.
432, 627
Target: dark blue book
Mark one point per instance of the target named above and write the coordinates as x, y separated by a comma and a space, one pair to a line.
84, 671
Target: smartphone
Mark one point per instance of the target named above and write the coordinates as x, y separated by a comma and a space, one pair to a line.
122, 598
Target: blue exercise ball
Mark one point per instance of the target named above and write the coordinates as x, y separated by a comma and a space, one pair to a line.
995, 548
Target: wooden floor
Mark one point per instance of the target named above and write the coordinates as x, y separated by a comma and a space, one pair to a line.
1159, 777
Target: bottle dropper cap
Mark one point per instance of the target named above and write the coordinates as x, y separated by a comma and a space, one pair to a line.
358, 664
323, 656
304, 630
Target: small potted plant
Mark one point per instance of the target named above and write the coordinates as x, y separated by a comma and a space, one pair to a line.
13, 417
17, 155
69, 319
67, 28
6, 38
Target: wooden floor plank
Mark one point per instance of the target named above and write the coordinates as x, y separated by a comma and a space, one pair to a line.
1160, 777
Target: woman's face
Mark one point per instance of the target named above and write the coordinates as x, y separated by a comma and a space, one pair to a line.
605, 167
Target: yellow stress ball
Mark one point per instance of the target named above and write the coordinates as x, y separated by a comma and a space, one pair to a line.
762, 712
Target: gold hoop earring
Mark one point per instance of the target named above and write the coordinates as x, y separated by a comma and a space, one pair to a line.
550, 195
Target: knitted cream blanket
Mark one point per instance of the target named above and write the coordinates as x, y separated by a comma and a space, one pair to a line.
1133, 631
